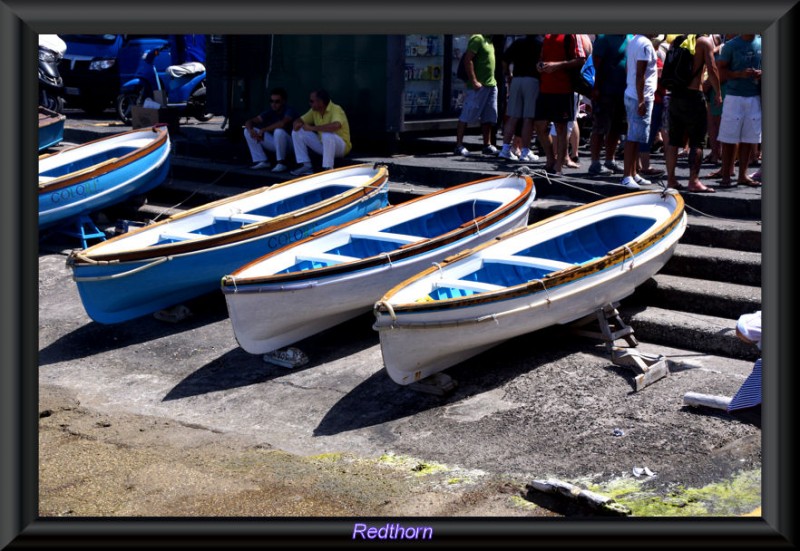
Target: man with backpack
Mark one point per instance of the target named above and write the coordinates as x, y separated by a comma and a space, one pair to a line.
688, 113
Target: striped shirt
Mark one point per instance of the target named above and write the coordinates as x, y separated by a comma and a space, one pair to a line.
749, 393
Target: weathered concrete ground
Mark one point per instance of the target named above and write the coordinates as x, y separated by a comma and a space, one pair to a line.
152, 418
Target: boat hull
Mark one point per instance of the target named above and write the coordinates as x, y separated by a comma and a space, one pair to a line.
85, 190
142, 280
51, 128
271, 312
419, 342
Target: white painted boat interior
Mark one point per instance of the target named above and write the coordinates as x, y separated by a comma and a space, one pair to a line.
385, 232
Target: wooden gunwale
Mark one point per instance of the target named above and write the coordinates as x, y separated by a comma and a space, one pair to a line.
549, 282
106, 166
250, 231
401, 253
49, 118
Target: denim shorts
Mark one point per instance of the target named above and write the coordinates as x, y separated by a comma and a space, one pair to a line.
480, 106
638, 126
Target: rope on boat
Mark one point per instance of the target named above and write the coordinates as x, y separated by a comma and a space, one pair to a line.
123, 274
633, 259
388, 256
546, 292
388, 307
438, 266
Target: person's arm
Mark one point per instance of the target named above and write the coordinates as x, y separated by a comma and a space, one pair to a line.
280, 123
330, 127
250, 124
713, 72
469, 65
303, 120
576, 62
599, 75
641, 68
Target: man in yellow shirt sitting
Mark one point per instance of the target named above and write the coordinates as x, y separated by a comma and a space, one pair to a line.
324, 129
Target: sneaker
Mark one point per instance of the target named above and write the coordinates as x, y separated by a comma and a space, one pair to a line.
461, 150
490, 150
596, 169
280, 167
508, 154
641, 181
613, 166
260, 166
302, 171
528, 157
630, 183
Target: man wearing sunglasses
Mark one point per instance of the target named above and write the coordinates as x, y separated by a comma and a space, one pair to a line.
324, 129
269, 131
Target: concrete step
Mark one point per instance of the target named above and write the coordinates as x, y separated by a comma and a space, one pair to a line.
715, 264
701, 296
690, 331
743, 235
447, 171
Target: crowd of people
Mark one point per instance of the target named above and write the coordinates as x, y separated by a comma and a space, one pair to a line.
719, 103
717, 106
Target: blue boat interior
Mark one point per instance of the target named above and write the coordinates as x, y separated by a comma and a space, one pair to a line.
278, 208
427, 226
576, 247
86, 162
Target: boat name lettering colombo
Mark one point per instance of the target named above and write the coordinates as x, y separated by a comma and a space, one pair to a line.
286, 238
70, 193
392, 532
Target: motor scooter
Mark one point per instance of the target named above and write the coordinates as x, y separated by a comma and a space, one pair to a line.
51, 85
181, 86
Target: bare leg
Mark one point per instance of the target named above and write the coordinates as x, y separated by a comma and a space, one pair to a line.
695, 159
745, 153
460, 128
631, 151
728, 153
545, 142
612, 141
487, 129
508, 129
595, 143
671, 158
561, 147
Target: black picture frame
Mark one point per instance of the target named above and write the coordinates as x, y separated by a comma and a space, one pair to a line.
20, 21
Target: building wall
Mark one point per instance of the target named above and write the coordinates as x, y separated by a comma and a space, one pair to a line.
355, 69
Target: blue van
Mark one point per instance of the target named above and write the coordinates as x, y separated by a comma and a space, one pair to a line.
95, 65
90, 70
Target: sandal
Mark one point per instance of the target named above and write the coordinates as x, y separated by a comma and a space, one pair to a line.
704, 189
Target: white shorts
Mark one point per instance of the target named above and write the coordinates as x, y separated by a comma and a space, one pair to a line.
741, 120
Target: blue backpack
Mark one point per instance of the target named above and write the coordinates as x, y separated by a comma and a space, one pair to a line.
583, 78
585, 83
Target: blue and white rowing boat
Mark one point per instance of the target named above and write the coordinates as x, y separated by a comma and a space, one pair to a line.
185, 255
338, 274
51, 128
553, 272
86, 178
